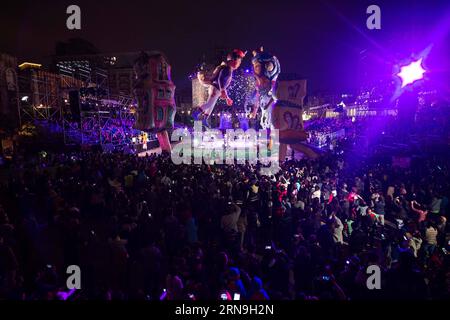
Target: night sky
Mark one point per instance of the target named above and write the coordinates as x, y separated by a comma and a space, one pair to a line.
320, 40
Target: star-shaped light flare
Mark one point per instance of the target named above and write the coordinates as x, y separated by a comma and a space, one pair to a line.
411, 72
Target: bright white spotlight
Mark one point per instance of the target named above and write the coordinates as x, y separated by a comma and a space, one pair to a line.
411, 72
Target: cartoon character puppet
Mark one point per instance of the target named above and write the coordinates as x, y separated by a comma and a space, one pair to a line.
266, 69
217, 84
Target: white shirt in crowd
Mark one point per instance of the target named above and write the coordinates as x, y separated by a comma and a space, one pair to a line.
316, 194
337, 232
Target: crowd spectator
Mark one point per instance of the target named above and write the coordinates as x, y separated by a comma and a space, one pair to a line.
145, 228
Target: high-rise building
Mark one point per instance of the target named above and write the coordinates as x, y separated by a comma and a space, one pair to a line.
8, 88
112, 72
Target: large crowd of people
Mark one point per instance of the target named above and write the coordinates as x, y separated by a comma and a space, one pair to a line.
145, 228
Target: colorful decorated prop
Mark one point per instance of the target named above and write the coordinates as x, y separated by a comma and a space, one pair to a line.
217, 84
155, 94
287, 117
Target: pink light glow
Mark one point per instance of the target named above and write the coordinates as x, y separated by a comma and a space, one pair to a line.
411, 72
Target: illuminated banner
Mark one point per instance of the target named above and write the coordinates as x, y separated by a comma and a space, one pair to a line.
288, 112
293, 91
287, 117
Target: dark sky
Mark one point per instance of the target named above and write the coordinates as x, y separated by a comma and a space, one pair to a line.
320, 40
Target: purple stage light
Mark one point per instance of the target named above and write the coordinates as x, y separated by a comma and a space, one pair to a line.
411, 72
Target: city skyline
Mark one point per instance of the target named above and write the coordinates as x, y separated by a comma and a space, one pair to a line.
330, 47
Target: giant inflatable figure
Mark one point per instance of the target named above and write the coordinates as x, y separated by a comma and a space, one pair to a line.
266, 69
217, 84
281, 104
155, 94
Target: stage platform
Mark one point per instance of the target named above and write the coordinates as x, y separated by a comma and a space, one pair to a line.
157, 150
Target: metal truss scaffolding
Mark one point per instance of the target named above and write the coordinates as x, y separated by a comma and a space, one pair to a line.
81, 108
107, 122
40, 96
